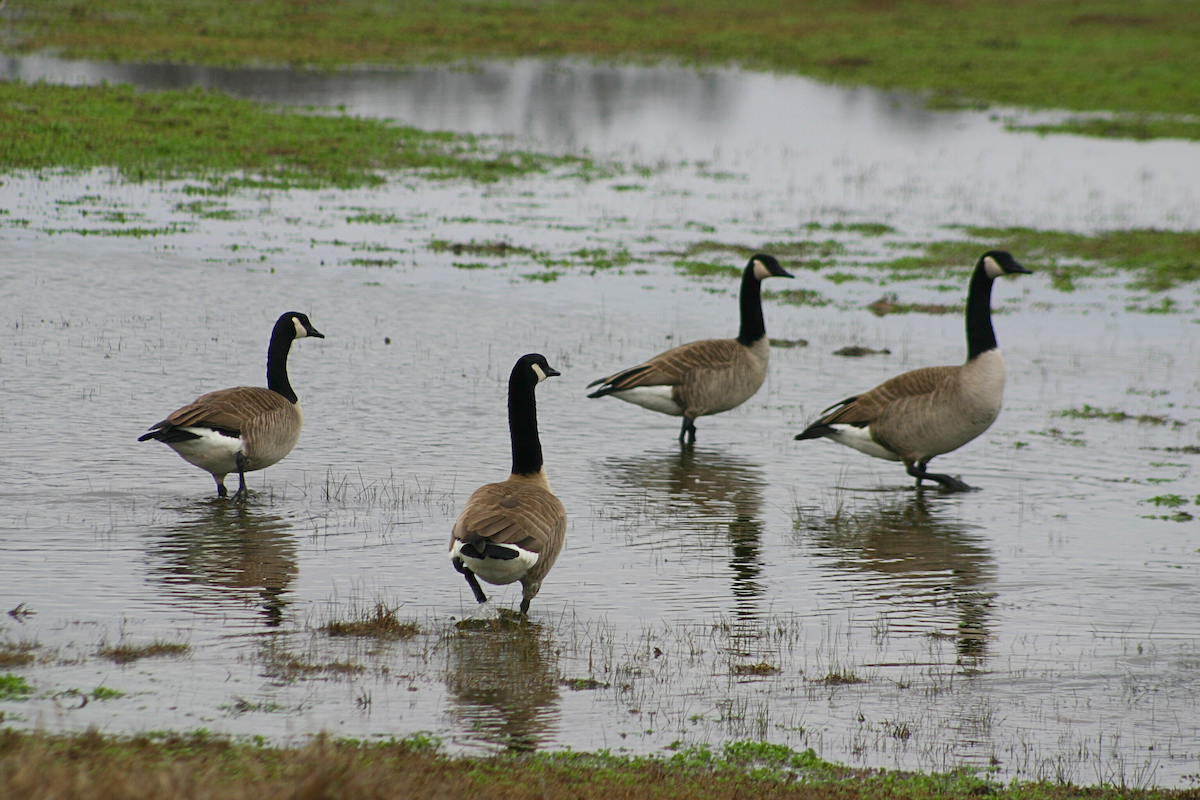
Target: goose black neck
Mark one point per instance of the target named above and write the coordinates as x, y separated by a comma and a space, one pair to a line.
277, 356
753, 327
980, 336
522, 425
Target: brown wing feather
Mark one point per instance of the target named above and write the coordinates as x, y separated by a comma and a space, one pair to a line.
673, 367
513, 512
867, 407
228, 409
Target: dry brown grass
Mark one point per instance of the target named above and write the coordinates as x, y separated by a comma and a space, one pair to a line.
380, 622
124, 653
91, 766
16, 654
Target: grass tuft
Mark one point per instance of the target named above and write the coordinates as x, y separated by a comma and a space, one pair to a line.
125, 653
379, 622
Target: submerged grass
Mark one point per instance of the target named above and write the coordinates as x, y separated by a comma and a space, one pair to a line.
232, 142
199, 764
1087, 55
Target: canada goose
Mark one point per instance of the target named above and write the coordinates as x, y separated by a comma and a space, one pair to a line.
926, 412
244, 428
708, 376
513, 530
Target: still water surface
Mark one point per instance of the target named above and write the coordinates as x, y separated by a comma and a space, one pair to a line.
749, 587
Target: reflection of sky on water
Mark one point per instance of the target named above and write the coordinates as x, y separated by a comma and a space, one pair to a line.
808, 149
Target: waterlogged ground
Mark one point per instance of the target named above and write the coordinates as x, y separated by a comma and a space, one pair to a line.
1047, 626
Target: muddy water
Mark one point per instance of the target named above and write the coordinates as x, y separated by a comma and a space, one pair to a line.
749, 587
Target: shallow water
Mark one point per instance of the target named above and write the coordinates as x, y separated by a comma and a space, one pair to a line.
749, 587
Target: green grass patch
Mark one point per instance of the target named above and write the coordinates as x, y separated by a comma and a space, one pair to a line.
232, 143
598, 258
938, 259
1091, 412
1167, 500
796, 297
1159, 260
707, 269
14, 687
374, 218
1139, 127
549, 276
1089, 55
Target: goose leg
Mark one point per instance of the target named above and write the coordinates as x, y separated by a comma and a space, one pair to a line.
524, 606
241, 495
480, 597
688, 430
221, 490
952, 484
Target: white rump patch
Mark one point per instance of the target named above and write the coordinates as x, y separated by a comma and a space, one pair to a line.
655, 398
213, 451
497, 571
860, 439
992, 269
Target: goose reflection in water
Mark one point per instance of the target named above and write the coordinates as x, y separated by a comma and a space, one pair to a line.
502, 678
701, 491
916, 558
219, 550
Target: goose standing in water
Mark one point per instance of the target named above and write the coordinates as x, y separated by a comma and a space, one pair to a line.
708, 376
513, 530
244, 428
933, 410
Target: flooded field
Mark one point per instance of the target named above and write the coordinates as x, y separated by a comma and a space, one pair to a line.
751, 586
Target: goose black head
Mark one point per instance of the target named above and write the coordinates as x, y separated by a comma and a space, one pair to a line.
1000, 262
535, 364
765, 266
300, 324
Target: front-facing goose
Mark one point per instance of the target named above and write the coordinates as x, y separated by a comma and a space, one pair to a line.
513, 530
244, 428
930, 411
708, 376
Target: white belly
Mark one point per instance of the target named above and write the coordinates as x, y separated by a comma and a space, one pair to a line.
213, 451
655, 398
860, 439
497, 571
